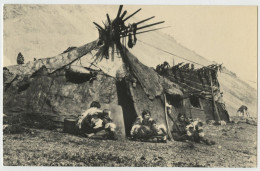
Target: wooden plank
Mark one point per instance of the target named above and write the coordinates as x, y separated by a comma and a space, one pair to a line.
185, 85
191, 82
118, 119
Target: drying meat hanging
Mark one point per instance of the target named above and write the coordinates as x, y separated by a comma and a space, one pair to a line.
115, 30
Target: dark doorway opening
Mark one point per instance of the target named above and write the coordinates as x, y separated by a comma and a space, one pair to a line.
174, 100
195, 101
125, 100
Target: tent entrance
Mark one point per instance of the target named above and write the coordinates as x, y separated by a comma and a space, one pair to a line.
126, 102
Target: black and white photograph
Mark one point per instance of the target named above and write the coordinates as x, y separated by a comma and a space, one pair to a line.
129, 85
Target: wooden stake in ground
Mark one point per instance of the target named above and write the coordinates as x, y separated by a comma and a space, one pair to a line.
214, 104
166, 118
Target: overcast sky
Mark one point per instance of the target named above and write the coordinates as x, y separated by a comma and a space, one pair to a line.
225, 34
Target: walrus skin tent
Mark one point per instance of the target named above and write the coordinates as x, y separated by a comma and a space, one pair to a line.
43, 88
52, 89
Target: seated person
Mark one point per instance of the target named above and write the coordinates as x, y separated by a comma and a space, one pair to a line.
102, 126
84, 122
108, 124
96, 123
195, 130
145, 127
179, 131
188, 130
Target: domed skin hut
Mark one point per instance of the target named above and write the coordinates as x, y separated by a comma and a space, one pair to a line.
49, 90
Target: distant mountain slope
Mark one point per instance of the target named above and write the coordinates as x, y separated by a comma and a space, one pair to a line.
40, 31
237, 92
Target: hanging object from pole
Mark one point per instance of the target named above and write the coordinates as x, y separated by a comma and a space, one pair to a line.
115, 29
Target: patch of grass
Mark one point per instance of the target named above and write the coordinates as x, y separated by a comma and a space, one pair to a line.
53, 148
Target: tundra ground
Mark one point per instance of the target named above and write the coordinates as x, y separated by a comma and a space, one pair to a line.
236, 146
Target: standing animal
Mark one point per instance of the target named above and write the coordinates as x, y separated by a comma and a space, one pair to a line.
243, 111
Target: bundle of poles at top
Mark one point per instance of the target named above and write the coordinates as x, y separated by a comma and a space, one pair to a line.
116, 29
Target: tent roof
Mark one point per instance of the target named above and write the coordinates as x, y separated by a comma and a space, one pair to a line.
152, 83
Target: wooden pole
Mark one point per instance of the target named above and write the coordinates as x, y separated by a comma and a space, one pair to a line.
122, 16
108, 19
119, 11
150, 25
145, 20
143, 31
166, 118
214, 104
190, 110
131, 15
98, 26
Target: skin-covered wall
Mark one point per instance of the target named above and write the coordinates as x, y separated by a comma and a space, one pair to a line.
53, 97
142, 102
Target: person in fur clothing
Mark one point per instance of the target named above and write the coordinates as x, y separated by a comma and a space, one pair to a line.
146, 127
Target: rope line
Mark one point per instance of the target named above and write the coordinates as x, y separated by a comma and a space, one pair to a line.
187, 59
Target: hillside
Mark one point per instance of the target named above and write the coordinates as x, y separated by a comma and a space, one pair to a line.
40, 31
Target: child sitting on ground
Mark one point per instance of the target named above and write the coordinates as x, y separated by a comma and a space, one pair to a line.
96, 125
145, 127
195, 131
96, 122
103, 125
107, 121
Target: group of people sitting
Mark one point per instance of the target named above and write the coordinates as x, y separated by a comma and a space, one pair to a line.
186, 129
97, 123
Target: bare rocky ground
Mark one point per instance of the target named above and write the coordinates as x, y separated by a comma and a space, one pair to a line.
236, 146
